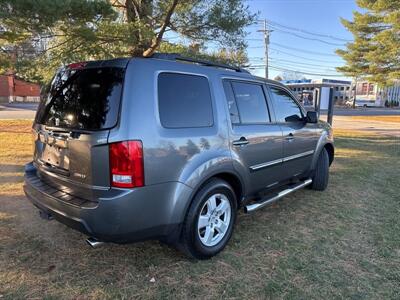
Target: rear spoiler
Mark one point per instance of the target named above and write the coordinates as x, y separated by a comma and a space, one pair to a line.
117, 62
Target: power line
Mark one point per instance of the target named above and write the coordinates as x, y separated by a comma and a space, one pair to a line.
301, 63
301, 50
293, 62
251, 39
304, 69
305, 73
294, 49
309, 32
298, 56
299, 68
307, 38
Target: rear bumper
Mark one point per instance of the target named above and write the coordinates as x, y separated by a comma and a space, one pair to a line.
116, 215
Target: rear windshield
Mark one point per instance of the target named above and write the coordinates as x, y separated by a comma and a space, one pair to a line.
84, 99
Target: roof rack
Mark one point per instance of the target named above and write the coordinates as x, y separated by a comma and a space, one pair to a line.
178, 57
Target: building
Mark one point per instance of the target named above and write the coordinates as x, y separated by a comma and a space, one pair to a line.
378, 96
13, 89
308, 91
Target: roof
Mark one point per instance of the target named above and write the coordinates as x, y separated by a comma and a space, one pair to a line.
177, 59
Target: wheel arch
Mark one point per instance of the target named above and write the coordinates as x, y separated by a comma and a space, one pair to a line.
231, 177
331, 152
324, 142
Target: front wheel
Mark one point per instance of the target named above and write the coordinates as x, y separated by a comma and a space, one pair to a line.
209, 223
321, 173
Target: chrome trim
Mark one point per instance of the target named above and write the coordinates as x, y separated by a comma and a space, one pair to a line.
272, 184
94, 243
266, 164
240, 143
256, 206
287, 158
280, 160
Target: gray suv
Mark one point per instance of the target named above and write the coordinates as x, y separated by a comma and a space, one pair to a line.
169, 148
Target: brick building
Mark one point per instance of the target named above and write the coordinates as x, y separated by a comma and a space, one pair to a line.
367, 91
13, 89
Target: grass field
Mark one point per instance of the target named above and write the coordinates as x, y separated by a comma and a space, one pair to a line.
341, 243
392, 119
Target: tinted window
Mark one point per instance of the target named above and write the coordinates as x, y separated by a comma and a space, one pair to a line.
251, 103
85, 99
286, 109
184, 101
230, 98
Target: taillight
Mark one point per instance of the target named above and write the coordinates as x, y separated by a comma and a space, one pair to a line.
77, 66
126, 164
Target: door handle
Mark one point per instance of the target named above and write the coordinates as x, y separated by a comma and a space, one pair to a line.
290, 137
240, 142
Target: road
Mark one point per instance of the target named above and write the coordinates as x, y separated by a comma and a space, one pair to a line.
370, 111
374, 120
18, 111
380, 127
342, 117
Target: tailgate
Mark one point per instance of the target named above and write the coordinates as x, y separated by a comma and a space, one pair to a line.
72, 126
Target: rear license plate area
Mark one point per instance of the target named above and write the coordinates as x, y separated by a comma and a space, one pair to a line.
55, 156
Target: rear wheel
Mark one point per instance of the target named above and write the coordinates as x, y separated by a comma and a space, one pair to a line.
209, 223
321, 174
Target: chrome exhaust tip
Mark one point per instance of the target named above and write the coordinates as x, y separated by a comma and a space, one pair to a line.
94, 243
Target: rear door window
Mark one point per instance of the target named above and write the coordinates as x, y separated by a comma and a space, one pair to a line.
84, 99
230, 98
184, 101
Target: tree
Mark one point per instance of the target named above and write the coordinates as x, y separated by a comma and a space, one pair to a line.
278, 78
76, 30
375, 53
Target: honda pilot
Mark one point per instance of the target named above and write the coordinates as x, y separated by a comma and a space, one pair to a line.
169, 148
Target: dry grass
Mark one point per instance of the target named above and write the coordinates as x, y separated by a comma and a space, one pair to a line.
393, 119
341, 243
16, 126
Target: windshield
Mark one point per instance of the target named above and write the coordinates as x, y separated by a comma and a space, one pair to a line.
85, 99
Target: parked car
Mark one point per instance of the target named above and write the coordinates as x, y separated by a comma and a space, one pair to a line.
169, 148
360, 103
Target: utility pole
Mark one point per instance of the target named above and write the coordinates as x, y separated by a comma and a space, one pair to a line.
266, 32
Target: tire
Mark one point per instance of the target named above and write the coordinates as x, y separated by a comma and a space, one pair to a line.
202, 239
321, 174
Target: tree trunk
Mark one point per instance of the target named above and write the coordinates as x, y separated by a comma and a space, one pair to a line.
157, 40
139, 11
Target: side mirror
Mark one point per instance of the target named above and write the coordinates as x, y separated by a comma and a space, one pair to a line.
312, 117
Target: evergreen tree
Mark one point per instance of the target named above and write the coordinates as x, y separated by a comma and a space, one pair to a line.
64, 31
375, 53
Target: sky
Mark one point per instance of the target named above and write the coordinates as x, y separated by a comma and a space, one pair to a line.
296, 25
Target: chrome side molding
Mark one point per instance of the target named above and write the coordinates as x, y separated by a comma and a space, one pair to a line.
307, 153
266, 164
280, 160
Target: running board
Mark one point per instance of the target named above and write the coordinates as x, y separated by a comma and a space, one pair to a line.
264, 202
